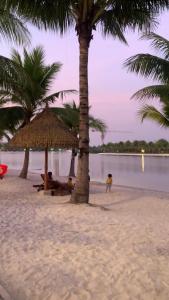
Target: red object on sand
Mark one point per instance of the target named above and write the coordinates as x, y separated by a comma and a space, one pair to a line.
3, 170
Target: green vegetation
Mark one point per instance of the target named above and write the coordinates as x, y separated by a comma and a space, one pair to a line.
160, 146
157, 68
157, 147
12, 24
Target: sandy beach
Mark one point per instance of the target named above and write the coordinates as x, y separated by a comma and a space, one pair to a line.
117, 248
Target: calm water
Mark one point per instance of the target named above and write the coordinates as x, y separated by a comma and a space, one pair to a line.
145, 172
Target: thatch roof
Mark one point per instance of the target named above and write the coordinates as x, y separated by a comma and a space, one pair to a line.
45, 130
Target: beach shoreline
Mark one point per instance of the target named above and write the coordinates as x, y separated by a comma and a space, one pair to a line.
98, 186
115, 248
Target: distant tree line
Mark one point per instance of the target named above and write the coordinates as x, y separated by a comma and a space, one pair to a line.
160, 146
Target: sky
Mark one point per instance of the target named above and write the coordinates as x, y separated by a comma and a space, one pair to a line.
110, 85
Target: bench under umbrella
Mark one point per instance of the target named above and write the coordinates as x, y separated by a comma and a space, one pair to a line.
45, 131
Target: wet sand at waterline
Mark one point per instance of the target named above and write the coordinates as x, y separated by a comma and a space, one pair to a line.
117, 248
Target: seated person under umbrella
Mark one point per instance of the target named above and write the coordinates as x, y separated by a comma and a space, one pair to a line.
55, 184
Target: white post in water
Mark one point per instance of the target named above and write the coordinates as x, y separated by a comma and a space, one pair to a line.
142, 159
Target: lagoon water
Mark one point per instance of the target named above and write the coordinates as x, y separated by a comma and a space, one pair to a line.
150, 172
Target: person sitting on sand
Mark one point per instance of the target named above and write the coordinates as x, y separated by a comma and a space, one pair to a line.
109, 182
50, 177
41, 186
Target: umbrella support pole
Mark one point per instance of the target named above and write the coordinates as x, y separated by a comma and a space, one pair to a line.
46, 170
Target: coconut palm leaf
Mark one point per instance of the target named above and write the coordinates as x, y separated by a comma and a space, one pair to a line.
158, 42
56, 15
12, 26
97, 125
150, 66
160, 92
156, 68
53, 97
110, 26
70, 114
151, 113
60, 15
11, 73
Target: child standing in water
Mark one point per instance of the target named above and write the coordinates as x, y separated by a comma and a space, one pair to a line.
109, 182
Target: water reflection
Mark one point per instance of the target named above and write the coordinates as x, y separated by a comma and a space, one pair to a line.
139, 171
142, 162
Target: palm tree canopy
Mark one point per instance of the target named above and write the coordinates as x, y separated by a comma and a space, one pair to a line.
151, 66
157, 68
27, 81
12, 25
70, 114
113, 16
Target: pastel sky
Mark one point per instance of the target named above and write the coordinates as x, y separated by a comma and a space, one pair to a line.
110, 86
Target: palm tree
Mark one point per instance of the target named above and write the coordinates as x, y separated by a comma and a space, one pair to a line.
112, 17
157, 68
70, 114
27, 86
12, 25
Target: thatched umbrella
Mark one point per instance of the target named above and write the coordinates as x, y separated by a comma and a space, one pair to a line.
44, 131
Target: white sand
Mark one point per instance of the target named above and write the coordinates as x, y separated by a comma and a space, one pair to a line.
117, 249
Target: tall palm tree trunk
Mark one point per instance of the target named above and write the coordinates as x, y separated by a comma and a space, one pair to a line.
24, 171
81, 192
72, 164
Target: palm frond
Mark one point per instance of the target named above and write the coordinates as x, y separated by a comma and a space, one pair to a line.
60, 15
151, 113
55, 15
158, 42
16, 57
110, 26
135, 14
12, 27
149, 66
12, 74
72, 106
70, 114
69, 117
160, 92
49, 73
61, 94
97, 125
